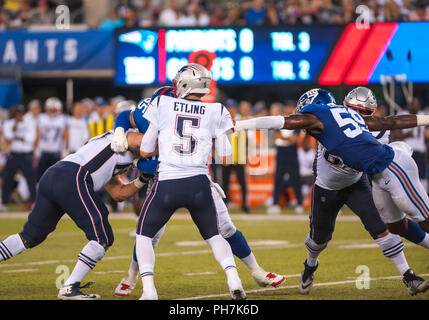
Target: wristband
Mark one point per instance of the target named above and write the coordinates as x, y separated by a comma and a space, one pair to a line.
422, 120
139, 183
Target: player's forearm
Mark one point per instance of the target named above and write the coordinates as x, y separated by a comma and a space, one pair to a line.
147, 166
395, 122
134, 140
268, 122
124, 191
123, 120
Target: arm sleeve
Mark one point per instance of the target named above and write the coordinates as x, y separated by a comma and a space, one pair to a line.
7, 130
223, 146
148, 166
151, 113
150, 139
225, 123
123, 120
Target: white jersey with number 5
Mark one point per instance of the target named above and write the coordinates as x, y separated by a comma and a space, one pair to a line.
186, 129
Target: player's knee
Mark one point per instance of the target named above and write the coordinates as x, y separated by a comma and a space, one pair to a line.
31, 241
98, 249
317, 244
227, 229
399, 227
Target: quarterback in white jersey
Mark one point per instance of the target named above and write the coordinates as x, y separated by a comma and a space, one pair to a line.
70, 186
183, 129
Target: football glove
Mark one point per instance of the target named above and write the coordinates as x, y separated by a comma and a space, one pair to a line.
119, 141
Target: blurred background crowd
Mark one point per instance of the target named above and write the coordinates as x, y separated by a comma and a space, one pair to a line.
110, 14
35, 136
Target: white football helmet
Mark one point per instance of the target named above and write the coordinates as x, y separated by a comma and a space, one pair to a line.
192, 78
125, 105
54, 103
362, 100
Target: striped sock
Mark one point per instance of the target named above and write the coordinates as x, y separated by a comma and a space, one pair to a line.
87, 260
392, 246
314, 250
10, 247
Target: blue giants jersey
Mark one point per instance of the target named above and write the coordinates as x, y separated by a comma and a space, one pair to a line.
141, 123
346, 135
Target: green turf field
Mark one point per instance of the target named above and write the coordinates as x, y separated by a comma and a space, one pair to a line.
186, 269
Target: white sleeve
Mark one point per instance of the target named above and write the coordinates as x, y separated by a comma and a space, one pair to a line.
223, 146
7, 130
225, 123
150, 139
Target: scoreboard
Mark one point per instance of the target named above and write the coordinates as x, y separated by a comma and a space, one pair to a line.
288, 54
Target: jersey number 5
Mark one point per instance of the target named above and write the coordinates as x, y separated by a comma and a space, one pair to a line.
351, 117
189, 141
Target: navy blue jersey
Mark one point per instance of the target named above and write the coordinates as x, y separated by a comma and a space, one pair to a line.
346, 135
141, 123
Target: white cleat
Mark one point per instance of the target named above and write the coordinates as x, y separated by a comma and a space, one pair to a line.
127, 285
72, 292
149, 295
236, 290
264, 279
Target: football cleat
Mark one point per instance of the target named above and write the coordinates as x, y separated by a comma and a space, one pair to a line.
236, 290
149, 295
72, 292
268, 279
307, 277
127, 285
414, 283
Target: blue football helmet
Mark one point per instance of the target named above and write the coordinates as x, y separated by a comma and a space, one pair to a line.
316, 96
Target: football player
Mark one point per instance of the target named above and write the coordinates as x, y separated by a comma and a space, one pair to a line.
183, 129
363, 101
337, 185
53, 135
344, 134
70, 186
240, 248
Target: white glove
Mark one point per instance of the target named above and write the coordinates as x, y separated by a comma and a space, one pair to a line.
119, 141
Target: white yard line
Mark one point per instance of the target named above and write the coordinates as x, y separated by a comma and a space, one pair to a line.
322, 284
19, 270
185, 216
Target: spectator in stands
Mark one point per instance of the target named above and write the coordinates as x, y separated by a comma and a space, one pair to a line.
239, 156
219, 17
122, 6
272, 16
234, 15
131, 18
287, 166
256, 12
149, 13
420, 13
112, 21
194, 16
4, 20
42, 14
170, 16
21, 135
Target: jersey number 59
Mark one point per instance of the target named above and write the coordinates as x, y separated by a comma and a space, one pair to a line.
189, 141
345, 116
